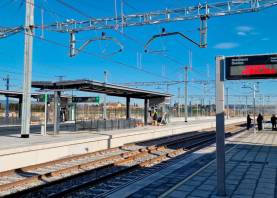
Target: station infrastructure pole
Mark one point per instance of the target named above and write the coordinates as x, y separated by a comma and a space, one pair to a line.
28, 54
45, 112
246, 105
186, 93
179, 106
7, 79
220, 131
254, 107
227, 102
105, 97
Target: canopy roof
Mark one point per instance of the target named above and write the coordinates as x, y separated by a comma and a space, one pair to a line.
99, 87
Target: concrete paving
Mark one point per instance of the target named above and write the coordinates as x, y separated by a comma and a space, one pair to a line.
250, 171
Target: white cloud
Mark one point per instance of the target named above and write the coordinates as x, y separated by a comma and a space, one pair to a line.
241, 33
244, 29
226, 45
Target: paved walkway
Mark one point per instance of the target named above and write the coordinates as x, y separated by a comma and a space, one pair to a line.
251, 169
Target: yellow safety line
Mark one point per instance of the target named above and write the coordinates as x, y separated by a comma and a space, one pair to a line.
195, 173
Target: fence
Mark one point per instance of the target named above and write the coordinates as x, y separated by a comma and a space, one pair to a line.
104, 125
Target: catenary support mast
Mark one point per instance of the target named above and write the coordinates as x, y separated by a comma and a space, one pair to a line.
28, 55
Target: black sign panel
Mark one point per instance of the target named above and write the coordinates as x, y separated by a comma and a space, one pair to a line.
251, 67
86, 99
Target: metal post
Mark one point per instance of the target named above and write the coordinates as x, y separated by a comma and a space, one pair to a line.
7, 109
145, 111
127, 108
254, 107
186, 94
197, 110
28, 53
45, 112
227, 102
263, 105
56, 112
209, 107
19, 106
105, 97
220, 131
179, 112
246, 103
203, 100
190, 108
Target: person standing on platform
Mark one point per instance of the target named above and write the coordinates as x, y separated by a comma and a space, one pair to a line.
260, 122
155, 118
273, 122
249, 120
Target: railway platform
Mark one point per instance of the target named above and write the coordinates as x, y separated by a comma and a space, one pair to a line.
251, 168
16, 152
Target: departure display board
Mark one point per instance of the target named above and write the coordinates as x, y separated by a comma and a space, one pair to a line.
251, 67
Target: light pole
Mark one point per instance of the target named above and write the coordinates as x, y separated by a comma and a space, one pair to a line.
254, 106
186, 93
105, 102
254, 103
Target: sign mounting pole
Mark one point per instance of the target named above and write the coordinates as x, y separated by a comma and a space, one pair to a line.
220, 131
28, 55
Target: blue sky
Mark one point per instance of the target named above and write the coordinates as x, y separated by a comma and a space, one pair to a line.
231, 35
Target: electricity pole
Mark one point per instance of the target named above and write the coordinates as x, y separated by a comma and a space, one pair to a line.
246, 106
105, 97
7, 79
179, 102
254, 106
28, 55
186, 93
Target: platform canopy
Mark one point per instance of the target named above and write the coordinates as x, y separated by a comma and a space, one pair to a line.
16, 94
99, 87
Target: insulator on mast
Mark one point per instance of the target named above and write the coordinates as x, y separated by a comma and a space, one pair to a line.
203, 31
72, 44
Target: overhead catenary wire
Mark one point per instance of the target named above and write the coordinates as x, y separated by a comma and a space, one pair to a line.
102, 57
84, 14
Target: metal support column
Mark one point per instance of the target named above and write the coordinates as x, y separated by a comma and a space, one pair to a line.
220, 131
246, 105
19, 107
145, 111
105, 97
7, 109
254, 107
127, 108
179, 106
186, 94
28, 54
227, 103
45, 112
57, 95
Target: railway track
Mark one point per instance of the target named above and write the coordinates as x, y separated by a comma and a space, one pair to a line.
60, 177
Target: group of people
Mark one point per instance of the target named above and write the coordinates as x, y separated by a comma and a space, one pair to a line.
260, 120
159, 120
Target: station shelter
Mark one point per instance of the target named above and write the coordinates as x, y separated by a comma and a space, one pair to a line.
151, 98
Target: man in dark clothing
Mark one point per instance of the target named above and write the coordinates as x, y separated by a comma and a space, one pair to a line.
249, 119
273, 122
260, 122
